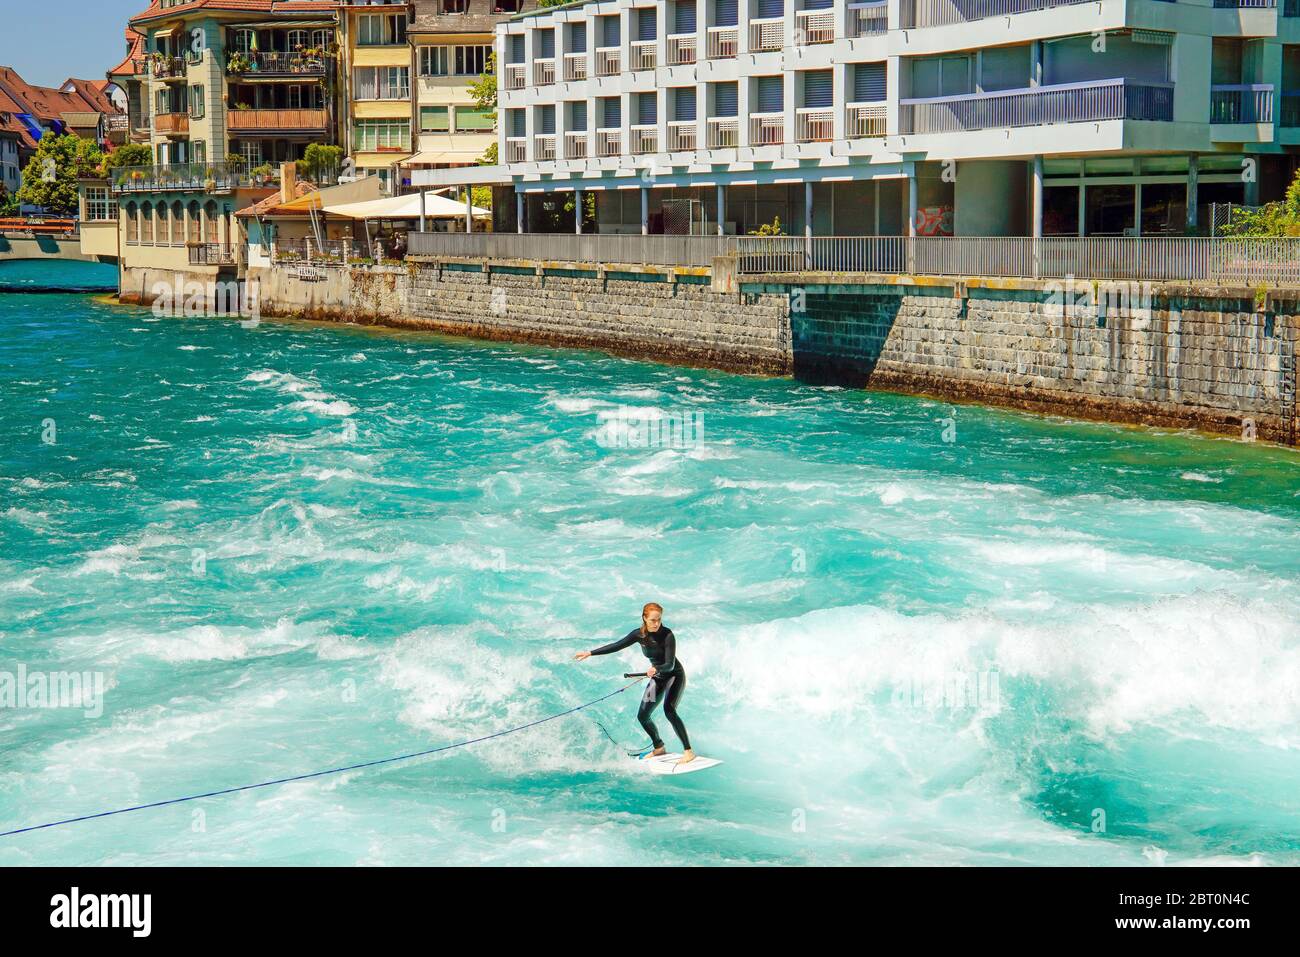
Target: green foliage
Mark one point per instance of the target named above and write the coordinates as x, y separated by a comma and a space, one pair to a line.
490, 155
50, 179
320, 162
769, 229
482, 197
484, 89
552, 3
8, 204
1272, 219
128, 154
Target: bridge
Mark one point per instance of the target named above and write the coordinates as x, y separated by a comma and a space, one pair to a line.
28, 239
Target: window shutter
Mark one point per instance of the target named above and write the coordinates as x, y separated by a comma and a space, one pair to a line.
818, 89
645, 23
685, 16
613, 113
771, 94
770, 9
610, 36
547, 38
726, 100
727, 13
578, 115
578, 37
548, 119
647, 109
684, 104
517, 48
869, 83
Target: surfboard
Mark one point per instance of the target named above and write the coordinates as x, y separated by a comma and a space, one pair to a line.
667, 764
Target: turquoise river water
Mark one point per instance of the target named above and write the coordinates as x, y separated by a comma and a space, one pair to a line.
914, 633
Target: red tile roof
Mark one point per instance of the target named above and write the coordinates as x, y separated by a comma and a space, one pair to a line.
134, 52
156, 10
271, 204
46, 104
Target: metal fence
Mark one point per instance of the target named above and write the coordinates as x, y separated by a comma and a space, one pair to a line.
574, 248
937, 13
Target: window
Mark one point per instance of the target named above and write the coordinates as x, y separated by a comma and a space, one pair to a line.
382, 135
381, 29
433, 119
244, 41
382, 83
198, 103
455, 6
472, 61
298, 39
322, 39
100, 207
433, 61
251, 151
200, 149
471, 119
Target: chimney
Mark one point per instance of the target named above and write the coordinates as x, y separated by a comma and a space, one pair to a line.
288, 182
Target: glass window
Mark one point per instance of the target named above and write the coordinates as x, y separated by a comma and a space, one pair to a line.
99, 205
433, 119
471, 61
433, 61
471, 119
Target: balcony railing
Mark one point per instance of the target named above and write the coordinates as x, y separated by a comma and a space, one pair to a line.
681, 49
1289, 116
1245, 4
516, 149
766, 129
814, 26
544, 71
723, 42
215, 177
868, 19
575, 66
682, 135
940, 13
608, 61
167, 67
643, 55
723, 132
516, 76
609, 142
171, 124
575, 144
543, 147
864, 119
241, 120
1116, 99
277, 64
1241, 103
645, 139
212, 254
814, 125
766, 35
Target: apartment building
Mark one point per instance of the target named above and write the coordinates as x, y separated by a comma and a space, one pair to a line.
379, 105
931, 117
453, 42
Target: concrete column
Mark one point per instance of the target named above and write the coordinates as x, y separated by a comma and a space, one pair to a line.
1137, 209
469, 209
645, 211
722, 208
808, 220
1193, 181
875, 208
911, 199
577, 211
423, 205
521, 221
1037, 214
1083, 208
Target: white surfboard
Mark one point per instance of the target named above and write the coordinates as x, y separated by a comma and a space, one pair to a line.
667, 764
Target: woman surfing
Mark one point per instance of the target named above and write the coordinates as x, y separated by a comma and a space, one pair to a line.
667, 677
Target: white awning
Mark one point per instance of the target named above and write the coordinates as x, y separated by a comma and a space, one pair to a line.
405, 207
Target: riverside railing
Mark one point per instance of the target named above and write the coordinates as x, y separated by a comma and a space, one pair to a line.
1116, 99
207, 177
941, 13
1223, 261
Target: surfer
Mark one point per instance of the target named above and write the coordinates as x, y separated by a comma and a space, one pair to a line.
667, 677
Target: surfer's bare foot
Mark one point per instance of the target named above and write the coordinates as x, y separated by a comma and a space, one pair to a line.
687, 756
658, 751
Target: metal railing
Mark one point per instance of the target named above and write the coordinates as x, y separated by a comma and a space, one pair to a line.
215, 177
642, 54
334, 252
575, 144
766, 129
723, 132
814, 26
1289, 115
277, 64
941, 13
723, 42
682, 136
1115, 99
609, 142
765, 35
544, 71
814, 125
543, 147
575, 66
645, 139
596, 249
516, 76
681, 49
212, 254
608, 60
516, 149
864, 119
1244, 262
868, 19
167, 68
1245, 4
1241, 103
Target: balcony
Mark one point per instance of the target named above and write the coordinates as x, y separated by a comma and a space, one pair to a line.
765, 35
814, 125
516, 76
682, 136
212, 254
575, 144
723, 42
862, 120
814, 26
1289, 116
645, 139
167, 67
217, 177
575, 67
274, 120
544, 147
608, 61
171, 124
609, 142
942, 13
681, 49
868, 19
253, 65
1116, 99
723, 132
516, 149
544, 71
766, 129
643, 55
1241, 103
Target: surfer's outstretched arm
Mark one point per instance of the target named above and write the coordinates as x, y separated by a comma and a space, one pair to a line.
625, 642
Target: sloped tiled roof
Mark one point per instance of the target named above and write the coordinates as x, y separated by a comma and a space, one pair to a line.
134, 51
156, 10
270, 205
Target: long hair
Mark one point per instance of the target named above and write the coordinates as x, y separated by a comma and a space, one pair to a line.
649, 607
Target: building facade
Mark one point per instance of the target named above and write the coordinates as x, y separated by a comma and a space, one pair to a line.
378, 84
930, 117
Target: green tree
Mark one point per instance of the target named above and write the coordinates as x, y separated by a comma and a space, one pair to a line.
484, 92
50, 179
321, 162
1281, 218
126, 155
8, 204
552, 3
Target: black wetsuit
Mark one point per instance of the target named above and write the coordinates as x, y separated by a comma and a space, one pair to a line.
668, 683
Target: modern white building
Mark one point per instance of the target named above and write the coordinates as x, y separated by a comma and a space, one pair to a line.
934, 117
